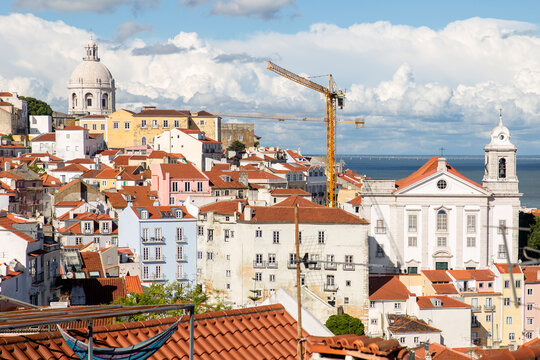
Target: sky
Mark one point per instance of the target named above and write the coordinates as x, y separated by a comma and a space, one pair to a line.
423, 74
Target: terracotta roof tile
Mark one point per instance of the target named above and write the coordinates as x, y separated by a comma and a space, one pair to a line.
387, 287
223, 207
158, 212
72, 168
424, 302
92, 262
50, 181
8, 220
45, 137
437, 275
182, 171
399, 324
133, 284
532, 273
503, 268
163, 112
289, 192
71, 127
444, 289
357, 201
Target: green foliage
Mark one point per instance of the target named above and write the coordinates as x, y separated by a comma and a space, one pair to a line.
237, 146
345, 324
256, 144
37, 107
8, 136
534, 234
170, 293
40, 171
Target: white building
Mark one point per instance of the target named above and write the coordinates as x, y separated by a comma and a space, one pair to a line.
74, 142
436, 218
91, 89
44, 143
248, 252
40, 124
193, 144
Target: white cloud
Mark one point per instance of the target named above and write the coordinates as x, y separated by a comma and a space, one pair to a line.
414, 86
264, 9
97, 6
128, 29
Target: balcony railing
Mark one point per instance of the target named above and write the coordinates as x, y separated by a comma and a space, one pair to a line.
151, 277
37, 278
476, 308
330, 287
291, 265
154, 258
153, 239
182, 258
348, 267
183, 239
489, 307
316, 266
330, 266
475, 324
259, 264
272, 264
181, 277
380, 230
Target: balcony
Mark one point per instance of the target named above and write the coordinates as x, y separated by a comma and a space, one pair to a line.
380, 230
159, 277
475, 324
259, 264
316, 266
348, 267
153, 239
330, 266
291, 265
476, 308
154, 258
182, 258
489, 307
272, 265
38, 278
181, 240
181, 277
330, 287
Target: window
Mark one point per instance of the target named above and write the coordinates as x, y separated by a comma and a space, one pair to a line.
209, 255
179, 234
200, 230
471, 241
502, 251
529, 306
292, 259
178, 214
490, 285
174, 187
412, 270
96, 240
199, 186
201, 122
87, 227
78, 240
402, 340
529, 291
187, 187
299, 237
348, 263
143, 123
502, 168
380, 251
210, 235
512, 336
67, 148
272, 278
372, 304
240, 138
518, 283
94, 126
176, 123
347, 282
127, 125
412, 241
179, 252
145, 234
529, 335
154, 123
145, 272
441, 241
271, 259
258, 259
146, 253
471, 223
379, 228
530, 320
227, 273
258, 276
442, 220
171, 200
158, 253
165, 123
102, 127
228, 257
506, 301
158, 271
320, 238
488, 318
442, 265
441, 184
413, 223
199, 255
416, 339
397, 306
258, 233
157, 234
275, 237
116, 125
502, 227
330, 281
506, 284
345, 300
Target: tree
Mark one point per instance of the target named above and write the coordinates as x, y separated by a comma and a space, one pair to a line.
170, 293
345, 324
534, 234
37, 107
237, 146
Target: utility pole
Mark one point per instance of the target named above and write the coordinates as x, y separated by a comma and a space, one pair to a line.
298, 289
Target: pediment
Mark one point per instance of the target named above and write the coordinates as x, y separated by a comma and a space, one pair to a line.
442, 184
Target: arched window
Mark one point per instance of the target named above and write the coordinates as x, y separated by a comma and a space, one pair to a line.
502, 168
73, 100
88, 99
442, 220
143, 140
105, 101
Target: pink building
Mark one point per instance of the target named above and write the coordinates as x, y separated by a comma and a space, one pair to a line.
175, 182
531, 313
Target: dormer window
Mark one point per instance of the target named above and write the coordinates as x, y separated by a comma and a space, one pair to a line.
105, 228
87, 227
144, 214
179, 214
438, 303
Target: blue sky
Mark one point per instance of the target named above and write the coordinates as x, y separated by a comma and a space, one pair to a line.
424, 74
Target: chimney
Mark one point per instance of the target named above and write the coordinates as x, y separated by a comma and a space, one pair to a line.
243, 178
240, 207
441, 164
247, 213
4, 268
7, 166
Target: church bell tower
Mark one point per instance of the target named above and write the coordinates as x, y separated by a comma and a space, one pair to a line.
500, 177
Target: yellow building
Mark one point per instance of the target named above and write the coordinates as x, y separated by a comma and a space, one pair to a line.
96, 124
511, 314
126, 128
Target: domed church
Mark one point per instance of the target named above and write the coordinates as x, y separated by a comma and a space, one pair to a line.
91, 86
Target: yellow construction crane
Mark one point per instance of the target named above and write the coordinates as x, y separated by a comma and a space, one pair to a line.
358, 122
333, 97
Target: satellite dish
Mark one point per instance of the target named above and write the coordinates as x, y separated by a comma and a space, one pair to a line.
69, 275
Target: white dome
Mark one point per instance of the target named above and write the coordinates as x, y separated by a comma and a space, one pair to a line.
91, 73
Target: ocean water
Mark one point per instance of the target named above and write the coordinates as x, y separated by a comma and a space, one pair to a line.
397, 167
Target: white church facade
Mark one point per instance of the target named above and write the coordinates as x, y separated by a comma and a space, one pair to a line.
436, 218
91, 88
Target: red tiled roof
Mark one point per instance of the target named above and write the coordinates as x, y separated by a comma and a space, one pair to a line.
219, 166
357, 201
399, 324
50, 181
532, 273
80, 161
260, 175
133, 284
264, 332
7, 221
355, 347
92, 261
444, 288
424, 302
69, 203
294, 200
437, 275
217, 182
109, 152
182, 171
45, 137
71, 127
5, 103
440, 352
503, 268
289, 192
306, 215
205, 113
121, 160
9, 175
140, 196
429, 168
154, 212
387, 287
5, 93
163, 112
223, 207
72, 168
94, 117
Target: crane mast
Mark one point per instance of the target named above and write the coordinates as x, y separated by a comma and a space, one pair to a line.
334, 98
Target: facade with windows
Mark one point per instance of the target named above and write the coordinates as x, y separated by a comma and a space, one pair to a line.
75, 142
164, 239
176, 182
436, 218
531, 301
248, 252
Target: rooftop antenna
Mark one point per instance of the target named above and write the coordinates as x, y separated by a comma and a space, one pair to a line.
441, 149
500, 116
